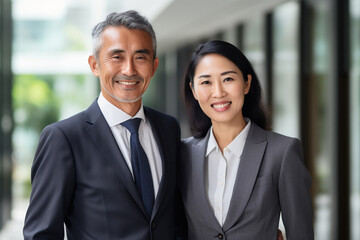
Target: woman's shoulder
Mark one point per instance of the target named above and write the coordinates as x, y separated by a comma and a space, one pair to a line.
191, 141
280, 137
275, 137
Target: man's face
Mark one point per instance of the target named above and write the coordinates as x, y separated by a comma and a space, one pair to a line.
125, 66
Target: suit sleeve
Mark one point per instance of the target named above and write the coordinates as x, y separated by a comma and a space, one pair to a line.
180, 220
294, 193
52, 179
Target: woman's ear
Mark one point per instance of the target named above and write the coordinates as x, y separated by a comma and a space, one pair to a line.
248, 84
193, 90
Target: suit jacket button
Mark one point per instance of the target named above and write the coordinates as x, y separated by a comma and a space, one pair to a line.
220, 236
153, 225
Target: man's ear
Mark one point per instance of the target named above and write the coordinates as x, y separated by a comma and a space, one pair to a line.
156, 64
93, 65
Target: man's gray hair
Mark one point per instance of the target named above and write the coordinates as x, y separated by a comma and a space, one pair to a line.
130, 19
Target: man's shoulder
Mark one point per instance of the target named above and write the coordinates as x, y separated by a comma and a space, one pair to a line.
159, 116
70, 124
74, 121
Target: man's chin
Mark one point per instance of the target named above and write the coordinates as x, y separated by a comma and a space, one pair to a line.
127, 99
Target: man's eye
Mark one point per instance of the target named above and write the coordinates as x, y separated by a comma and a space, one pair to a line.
140, 58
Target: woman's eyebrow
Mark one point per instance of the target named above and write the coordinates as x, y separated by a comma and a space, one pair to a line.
222, 74
227, 72
204, 76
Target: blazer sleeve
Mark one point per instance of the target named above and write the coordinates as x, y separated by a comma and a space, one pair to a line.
294, 194
52, 179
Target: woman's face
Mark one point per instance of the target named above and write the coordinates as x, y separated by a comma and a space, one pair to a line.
220, 89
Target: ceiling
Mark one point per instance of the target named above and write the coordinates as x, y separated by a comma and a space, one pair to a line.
184, 20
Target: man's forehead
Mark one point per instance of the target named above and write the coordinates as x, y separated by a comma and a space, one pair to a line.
122, 38
119, 29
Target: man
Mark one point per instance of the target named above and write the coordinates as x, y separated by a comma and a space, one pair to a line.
84, 173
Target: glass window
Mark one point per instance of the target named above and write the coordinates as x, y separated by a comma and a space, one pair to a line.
155, 96
253, 48
355, 120
286, 104
322, 131
52, 79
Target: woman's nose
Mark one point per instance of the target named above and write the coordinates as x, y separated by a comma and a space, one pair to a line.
218, 90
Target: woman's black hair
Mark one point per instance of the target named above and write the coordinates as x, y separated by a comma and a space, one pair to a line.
252, 108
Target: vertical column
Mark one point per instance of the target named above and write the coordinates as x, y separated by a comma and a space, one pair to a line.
354, 88
341, 69
5, 110
268, 39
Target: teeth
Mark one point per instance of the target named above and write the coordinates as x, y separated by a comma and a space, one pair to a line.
128, 83
221, 105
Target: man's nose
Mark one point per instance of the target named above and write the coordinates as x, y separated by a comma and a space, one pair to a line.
128, 68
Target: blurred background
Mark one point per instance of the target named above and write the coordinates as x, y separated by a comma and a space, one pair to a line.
306, 54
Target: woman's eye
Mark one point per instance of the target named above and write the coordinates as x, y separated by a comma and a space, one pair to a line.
205, 82
228, 79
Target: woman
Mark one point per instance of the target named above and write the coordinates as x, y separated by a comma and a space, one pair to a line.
236, 177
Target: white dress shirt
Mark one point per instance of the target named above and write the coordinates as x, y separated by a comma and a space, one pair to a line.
114, 117
221, 172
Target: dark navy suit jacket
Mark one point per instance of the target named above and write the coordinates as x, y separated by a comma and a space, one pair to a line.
80, 178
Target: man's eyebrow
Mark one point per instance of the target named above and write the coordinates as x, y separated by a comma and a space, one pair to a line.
115, 51
145, 51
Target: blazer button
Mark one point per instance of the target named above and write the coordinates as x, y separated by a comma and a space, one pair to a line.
153, 225
220, 236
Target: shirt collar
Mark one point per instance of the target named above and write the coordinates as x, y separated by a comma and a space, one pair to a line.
236, 146
114, 115
212, 144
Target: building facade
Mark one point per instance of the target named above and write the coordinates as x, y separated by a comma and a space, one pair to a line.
306, 54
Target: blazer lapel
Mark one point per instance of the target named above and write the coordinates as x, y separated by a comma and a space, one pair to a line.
101, 135
247, 173
198, 152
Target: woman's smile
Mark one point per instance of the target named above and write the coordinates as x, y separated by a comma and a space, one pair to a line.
221, 106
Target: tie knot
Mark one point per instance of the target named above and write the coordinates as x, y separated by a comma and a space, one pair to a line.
132, 124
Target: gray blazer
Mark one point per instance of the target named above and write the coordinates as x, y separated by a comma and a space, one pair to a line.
271, 179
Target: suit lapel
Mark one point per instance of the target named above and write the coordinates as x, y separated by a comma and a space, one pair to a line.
247, 173
198, 152
163, 183
101, 135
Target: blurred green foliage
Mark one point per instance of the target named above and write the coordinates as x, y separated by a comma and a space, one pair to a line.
35, 103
